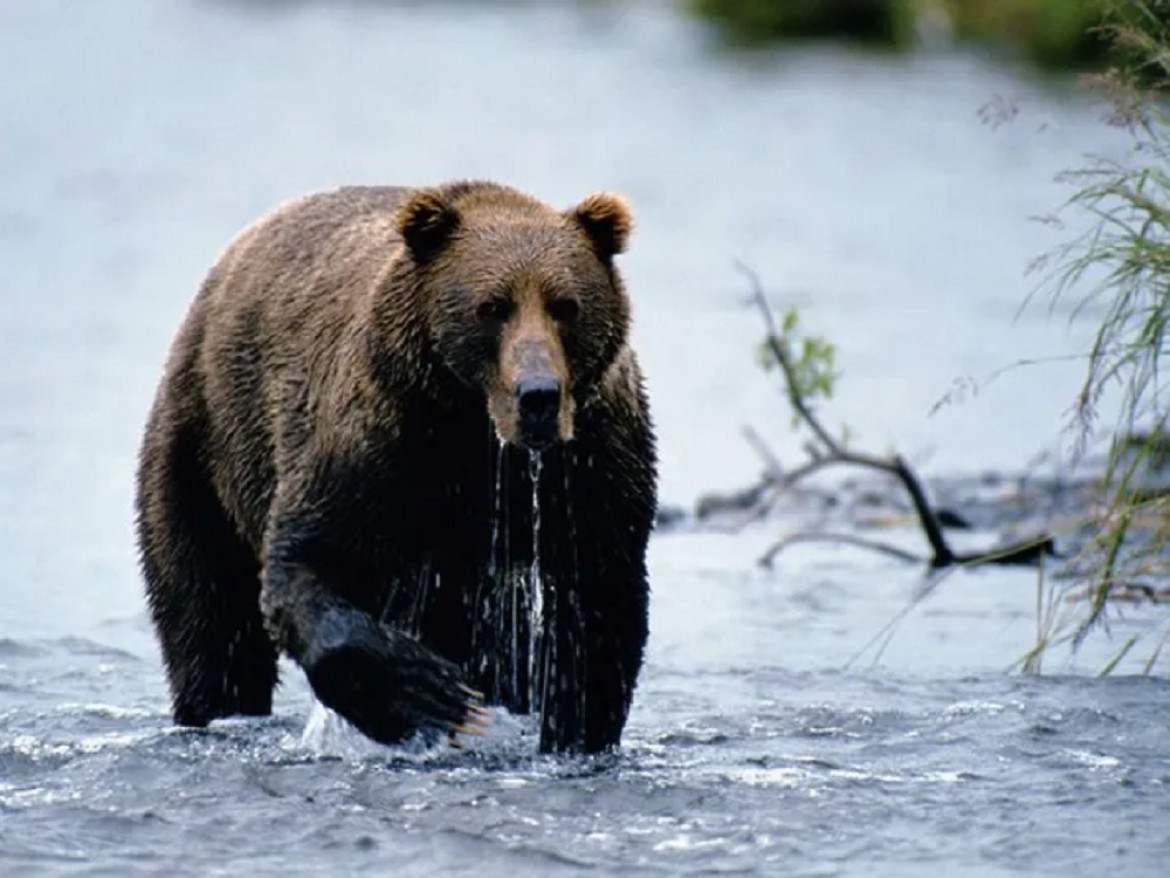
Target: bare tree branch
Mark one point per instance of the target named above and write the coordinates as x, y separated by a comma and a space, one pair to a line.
848, 539
773, 470
825, 450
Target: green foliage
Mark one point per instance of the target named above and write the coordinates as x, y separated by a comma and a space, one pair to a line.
1053, 33
754, 22
1121, 268
811, 360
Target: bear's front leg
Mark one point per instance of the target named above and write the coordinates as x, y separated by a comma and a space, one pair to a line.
594, 658
384, 682
600, 595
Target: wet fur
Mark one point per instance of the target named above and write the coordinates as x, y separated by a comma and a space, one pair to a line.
319, 469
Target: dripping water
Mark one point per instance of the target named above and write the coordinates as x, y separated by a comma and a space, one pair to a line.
497, 501
426, 577
535, 589
488, 615
514, 594
572, 630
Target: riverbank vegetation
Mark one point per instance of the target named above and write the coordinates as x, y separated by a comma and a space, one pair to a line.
1120, 268
1051, 33
756, 22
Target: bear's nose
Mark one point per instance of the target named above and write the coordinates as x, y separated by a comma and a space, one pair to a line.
538, 402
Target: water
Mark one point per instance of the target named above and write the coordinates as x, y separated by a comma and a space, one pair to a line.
138, 136
535, 590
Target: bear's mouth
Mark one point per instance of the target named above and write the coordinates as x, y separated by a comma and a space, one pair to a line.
538, 410
538, 440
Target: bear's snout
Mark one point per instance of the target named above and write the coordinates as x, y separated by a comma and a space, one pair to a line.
529, 397
538, 403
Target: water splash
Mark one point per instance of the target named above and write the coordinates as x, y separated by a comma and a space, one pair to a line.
328, 734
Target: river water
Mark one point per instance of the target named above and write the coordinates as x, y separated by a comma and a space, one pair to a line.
769, 735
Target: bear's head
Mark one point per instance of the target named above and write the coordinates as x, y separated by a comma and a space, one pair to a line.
523, 300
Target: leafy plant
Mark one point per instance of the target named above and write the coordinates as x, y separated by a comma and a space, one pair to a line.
1121, 266
812, 358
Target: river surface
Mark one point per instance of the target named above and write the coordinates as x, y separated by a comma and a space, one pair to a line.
776, 730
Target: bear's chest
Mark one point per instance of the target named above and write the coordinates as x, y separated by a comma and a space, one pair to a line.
478, 518
484, 507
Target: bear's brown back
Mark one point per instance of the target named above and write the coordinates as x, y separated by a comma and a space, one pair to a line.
277, 315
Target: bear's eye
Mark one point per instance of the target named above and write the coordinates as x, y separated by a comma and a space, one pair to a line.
563, 310
494, 309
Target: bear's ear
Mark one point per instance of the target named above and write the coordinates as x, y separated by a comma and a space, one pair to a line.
607, 220
426, 222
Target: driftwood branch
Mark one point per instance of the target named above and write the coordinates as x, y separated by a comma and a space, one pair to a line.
1024, 552
848, 539
824, 450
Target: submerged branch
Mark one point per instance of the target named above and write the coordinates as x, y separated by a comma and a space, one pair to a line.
1025, 552
824, 450
848, 539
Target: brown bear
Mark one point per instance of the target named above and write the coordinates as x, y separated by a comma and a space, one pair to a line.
397, 426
